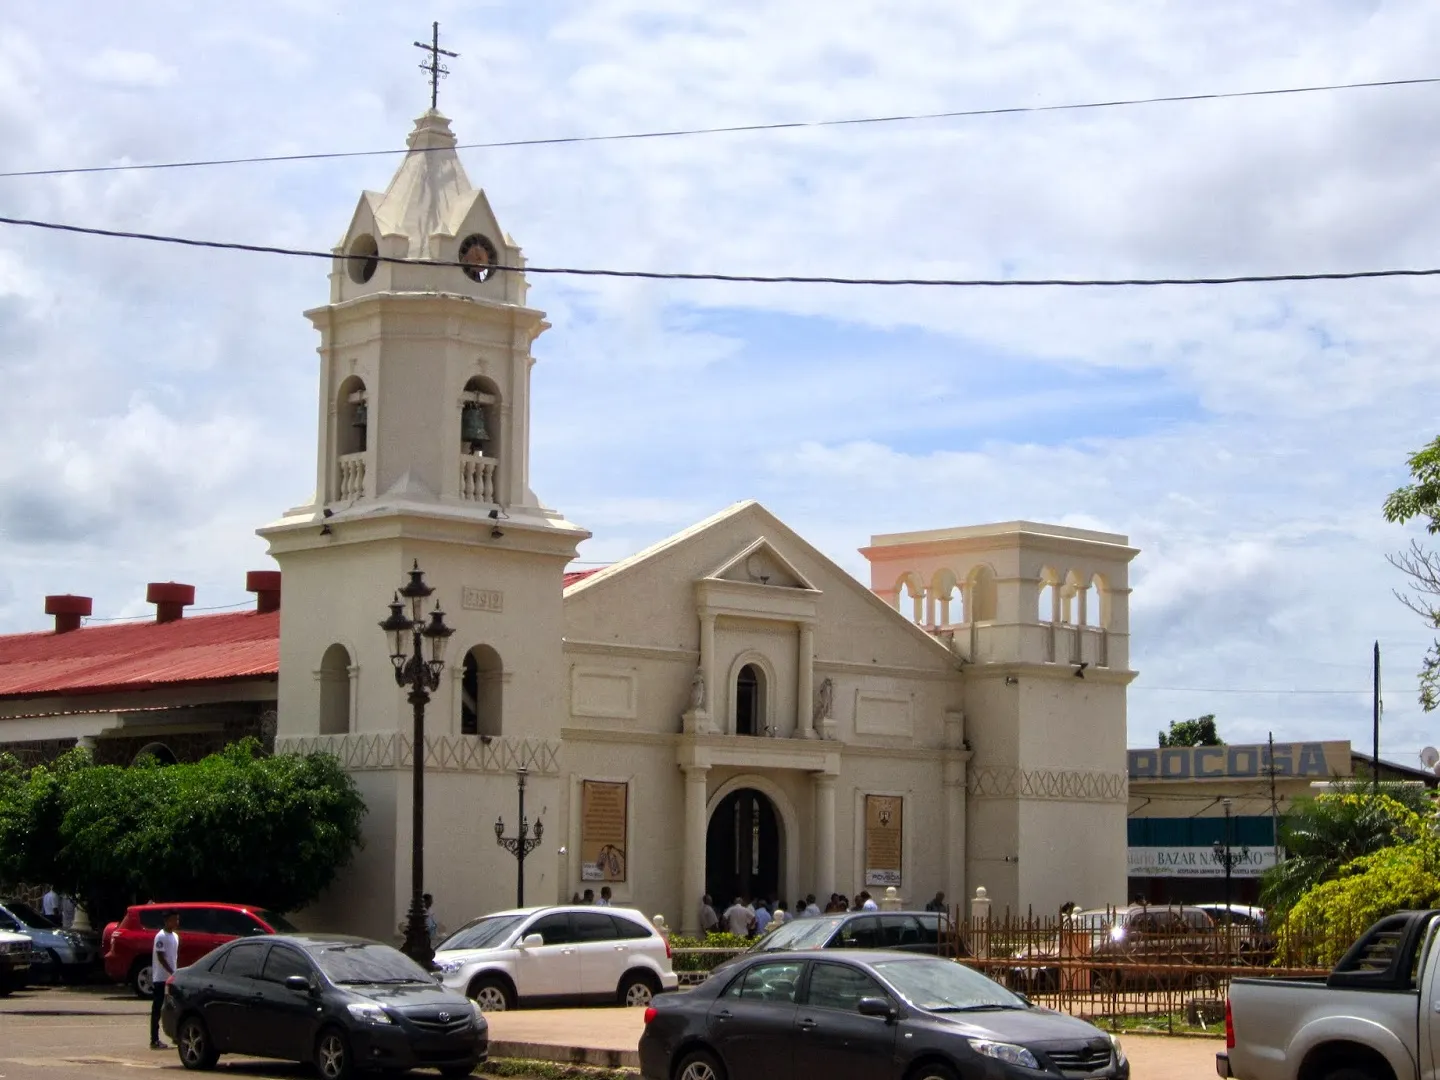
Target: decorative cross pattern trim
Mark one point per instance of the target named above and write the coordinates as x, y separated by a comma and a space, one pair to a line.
1070, 785
443, 753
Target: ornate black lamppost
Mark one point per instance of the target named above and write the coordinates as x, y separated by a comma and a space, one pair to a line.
522, 844
410, 635
1227, 857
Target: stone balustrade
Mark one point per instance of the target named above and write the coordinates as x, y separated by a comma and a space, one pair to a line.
477, 478
352, 477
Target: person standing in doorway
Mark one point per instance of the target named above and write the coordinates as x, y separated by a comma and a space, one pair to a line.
938, 904
709, 921
164, 958
605, 896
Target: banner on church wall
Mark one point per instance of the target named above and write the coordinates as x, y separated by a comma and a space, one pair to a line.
884, 839
603, 807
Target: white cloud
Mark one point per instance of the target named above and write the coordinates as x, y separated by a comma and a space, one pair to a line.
130, 69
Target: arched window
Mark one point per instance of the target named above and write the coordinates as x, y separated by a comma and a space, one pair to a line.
1097, 604
942, 591
352, 417
1047, 609
481, 693
750, 717
335, 691
982, 599
480, 418
1070, 598
162, 754
910, 598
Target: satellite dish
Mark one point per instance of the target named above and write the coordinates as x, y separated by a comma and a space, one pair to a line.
1429, 757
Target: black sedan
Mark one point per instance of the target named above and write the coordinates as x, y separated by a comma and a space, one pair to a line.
342, 1003
852, 1015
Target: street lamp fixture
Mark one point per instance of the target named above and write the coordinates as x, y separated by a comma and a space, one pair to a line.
521, 844
1226, 856
417, 651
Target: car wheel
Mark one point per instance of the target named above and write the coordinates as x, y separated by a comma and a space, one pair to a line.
491, 994
934, 1070
7, 985
193, 1041
332, 1055
637, 989
700, 1065
1350, 1073
140, 980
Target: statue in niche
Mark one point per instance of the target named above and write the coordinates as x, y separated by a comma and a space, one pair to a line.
697, 690
824, 698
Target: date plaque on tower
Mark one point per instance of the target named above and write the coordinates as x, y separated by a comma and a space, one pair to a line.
474, 599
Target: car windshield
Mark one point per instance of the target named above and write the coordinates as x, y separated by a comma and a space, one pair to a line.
811, 933
281, 924
483, 933
945, 986
29, 916
363, 962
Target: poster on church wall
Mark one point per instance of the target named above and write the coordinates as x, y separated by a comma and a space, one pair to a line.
603, 807
884, 839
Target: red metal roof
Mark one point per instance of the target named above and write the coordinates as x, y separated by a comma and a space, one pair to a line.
572, 576
140, 655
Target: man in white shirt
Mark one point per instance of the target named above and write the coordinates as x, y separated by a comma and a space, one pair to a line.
709, 921
607, 898
811, 908
867, 904
164, 959
50, 905
737, 918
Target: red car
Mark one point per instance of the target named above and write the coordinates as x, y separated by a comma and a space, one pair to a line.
126, 945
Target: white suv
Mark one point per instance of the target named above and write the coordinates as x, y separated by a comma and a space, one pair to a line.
554, 955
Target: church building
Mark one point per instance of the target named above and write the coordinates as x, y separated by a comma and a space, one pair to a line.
728, 711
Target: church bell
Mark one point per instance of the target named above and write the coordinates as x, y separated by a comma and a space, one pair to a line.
362, 415
472, 423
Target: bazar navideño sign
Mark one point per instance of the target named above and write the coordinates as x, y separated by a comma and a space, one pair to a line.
884, 839
603, 807
1198, 862
1319, 760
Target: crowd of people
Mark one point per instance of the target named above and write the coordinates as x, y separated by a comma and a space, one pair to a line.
752, 918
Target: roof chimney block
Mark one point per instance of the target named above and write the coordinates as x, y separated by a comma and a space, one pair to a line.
68, 611
170, 599
265, 584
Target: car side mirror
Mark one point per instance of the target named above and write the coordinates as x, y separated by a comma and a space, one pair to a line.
531, 941
299, 983
873, 1006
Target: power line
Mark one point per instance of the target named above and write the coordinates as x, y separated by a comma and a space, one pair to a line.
734, 129
1230, 690
756, 279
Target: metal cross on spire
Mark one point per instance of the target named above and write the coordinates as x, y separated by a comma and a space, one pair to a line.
436, 69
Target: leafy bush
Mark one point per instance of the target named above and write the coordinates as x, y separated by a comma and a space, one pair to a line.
270, 831
688, 961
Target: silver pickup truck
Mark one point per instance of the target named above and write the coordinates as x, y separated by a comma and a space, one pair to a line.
1376, 1016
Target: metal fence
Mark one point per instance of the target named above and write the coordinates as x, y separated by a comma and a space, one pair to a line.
1154, 963
1118, 966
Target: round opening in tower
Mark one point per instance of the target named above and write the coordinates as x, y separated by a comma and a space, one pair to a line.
478, 255
364, 257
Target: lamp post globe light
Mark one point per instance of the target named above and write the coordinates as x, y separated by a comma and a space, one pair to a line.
417, 651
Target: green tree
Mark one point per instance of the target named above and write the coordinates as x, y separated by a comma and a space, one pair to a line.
1398, 876
1421, 499
1197, 732
270, 831
1324, 834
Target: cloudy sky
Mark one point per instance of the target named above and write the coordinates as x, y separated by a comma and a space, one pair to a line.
158, 403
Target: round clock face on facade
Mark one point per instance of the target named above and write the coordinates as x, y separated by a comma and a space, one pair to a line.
478, 255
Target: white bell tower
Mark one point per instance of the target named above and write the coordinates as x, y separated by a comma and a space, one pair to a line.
423, 455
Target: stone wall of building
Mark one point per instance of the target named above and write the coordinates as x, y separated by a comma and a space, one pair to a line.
37, 751
236, 722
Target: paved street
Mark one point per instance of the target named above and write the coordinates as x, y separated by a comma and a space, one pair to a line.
59, 1034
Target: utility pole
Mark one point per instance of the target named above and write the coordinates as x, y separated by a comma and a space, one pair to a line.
1375, 759
1274, 802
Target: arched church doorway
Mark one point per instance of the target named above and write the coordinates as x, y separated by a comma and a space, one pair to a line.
743, 846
